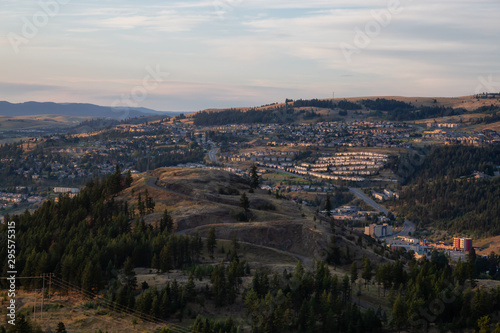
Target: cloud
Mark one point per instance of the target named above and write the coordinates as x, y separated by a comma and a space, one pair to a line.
25, 88
257, 52
162, 20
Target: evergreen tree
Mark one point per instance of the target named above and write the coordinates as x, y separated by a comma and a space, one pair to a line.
128, 179
399, 313
234, 244
346, 290
61, 328
165, 259
190, 289
366, 274
141, 205
91, 276
155, 262
471, 268
211, 242
115, 181
354, 273
254, 177
483, 324
129, 274
244, 202
166, 222
150, 204
328, 205
219, 285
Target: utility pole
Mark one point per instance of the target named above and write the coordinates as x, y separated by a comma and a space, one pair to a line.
34, 308
43, 291
50, 282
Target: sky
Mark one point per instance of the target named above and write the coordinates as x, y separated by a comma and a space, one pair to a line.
196, 54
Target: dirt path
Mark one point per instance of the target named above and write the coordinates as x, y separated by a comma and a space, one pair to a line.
152, 181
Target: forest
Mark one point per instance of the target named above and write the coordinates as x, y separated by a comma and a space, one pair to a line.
443, 191
327, 104
90, 241
235, 116
393, 110
95, 241
383, 104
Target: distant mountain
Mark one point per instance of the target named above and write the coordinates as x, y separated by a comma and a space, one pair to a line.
76, 109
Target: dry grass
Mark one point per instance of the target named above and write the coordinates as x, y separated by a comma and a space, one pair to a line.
488, 244
71, 310
32, 122
467, 102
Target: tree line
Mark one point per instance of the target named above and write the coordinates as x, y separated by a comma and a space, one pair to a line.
444, 193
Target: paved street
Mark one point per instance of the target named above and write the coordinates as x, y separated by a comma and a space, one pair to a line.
212, 155
360, 194
407, 228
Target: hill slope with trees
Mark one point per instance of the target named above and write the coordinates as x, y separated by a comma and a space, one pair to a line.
444, 193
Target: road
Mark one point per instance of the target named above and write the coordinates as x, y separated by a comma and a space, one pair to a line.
357, 192
212, 155
407, 228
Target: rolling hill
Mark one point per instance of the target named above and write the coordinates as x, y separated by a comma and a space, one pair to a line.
75, 110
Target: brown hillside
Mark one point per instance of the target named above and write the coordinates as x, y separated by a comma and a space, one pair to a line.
194, 200
467, 102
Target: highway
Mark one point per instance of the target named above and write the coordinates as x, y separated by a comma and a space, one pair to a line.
356, 191
360, 194
407, 228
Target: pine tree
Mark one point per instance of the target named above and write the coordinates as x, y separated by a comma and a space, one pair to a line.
366, 274
190, 288
219, 285
471, 267
140, 205
165, 259
150, 204
116, 181
92, 276
354, 273
155, 262
166, 222
346, 290
328, 205
399, 313
211, 242
129, 272
254, 177
61, 328
483, 324
235, 244
244, 202
128, 179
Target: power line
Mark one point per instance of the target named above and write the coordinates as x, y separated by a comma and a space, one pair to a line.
113, 306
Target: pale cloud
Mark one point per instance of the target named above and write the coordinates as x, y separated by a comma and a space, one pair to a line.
164, 21
258, 52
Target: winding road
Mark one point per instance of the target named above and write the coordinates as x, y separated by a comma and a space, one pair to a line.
212, 155
408, 227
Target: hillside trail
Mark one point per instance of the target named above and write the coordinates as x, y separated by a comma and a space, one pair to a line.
153, 182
